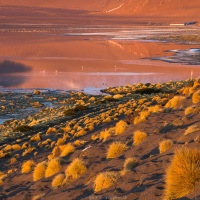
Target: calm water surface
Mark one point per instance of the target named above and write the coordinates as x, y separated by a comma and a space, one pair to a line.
86, 60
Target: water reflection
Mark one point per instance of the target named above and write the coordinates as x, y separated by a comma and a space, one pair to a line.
80, 62
8, 76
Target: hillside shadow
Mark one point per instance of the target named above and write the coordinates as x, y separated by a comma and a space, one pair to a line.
10, 73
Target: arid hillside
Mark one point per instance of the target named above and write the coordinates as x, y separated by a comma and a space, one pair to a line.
157, 11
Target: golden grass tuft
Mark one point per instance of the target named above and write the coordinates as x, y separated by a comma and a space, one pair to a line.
68, 148
120, 127
16, 147
183, 174
130, 163
138, 137
78, 143
142, 117
51, 130
190, 110
57, 181
105, 180
27, 166
53, 167
175, 102
155, 109
192, 129
38, 197
196, 97
36, 137
39, 171
165, 145
75, 170
104, 135
116, 149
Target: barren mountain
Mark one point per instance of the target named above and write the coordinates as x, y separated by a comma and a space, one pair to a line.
157, 11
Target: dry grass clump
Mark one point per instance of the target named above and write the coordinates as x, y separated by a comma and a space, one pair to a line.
16, 147
39, 171
120, 127
116, 149
196, 97
117, 96
165, 145
190, 110
57, 181
75, 169
78, 143
192, 129
183, 175
142, 117
155, 109
105, 180
67, 149
104, 135
36, 137
51, 130
138, 137
80, 133
13, 160
53, 167
130, 163
27, 166
175, 102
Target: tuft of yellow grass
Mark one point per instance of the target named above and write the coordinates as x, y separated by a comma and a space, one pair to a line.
142, 117
51, 130
75, 170
183, 174
36, 137
138, 137
120, 127
27, 166
53, 167
130, 163
16, 147
39, 171
165, 145
78, 143
105, 180
57, 181
155, 109
196, 97
104, 135
190, 110
116, 149
175, 103
192, 129
68, 148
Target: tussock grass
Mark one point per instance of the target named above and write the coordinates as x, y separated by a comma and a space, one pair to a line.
53, 167
190, 110
116, 149
57, 181
165, 145
120, 127
138, 137
130, 163
27, 166
196, 97
39, 171
183, 174
51, 130
192, 129
175, 103
142, 117
105, 180
75, 170
104, 135
69, 148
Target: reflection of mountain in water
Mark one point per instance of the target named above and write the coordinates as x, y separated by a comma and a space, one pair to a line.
8, 71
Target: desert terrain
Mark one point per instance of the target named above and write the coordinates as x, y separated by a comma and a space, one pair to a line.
137, 137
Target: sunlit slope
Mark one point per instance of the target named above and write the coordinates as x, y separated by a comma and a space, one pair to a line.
161, 8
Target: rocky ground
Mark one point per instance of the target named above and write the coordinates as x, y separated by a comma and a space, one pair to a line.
65, 126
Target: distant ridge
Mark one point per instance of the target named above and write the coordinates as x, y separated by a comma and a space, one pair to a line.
177, 10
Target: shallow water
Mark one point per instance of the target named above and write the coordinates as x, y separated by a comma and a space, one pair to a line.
88, 58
